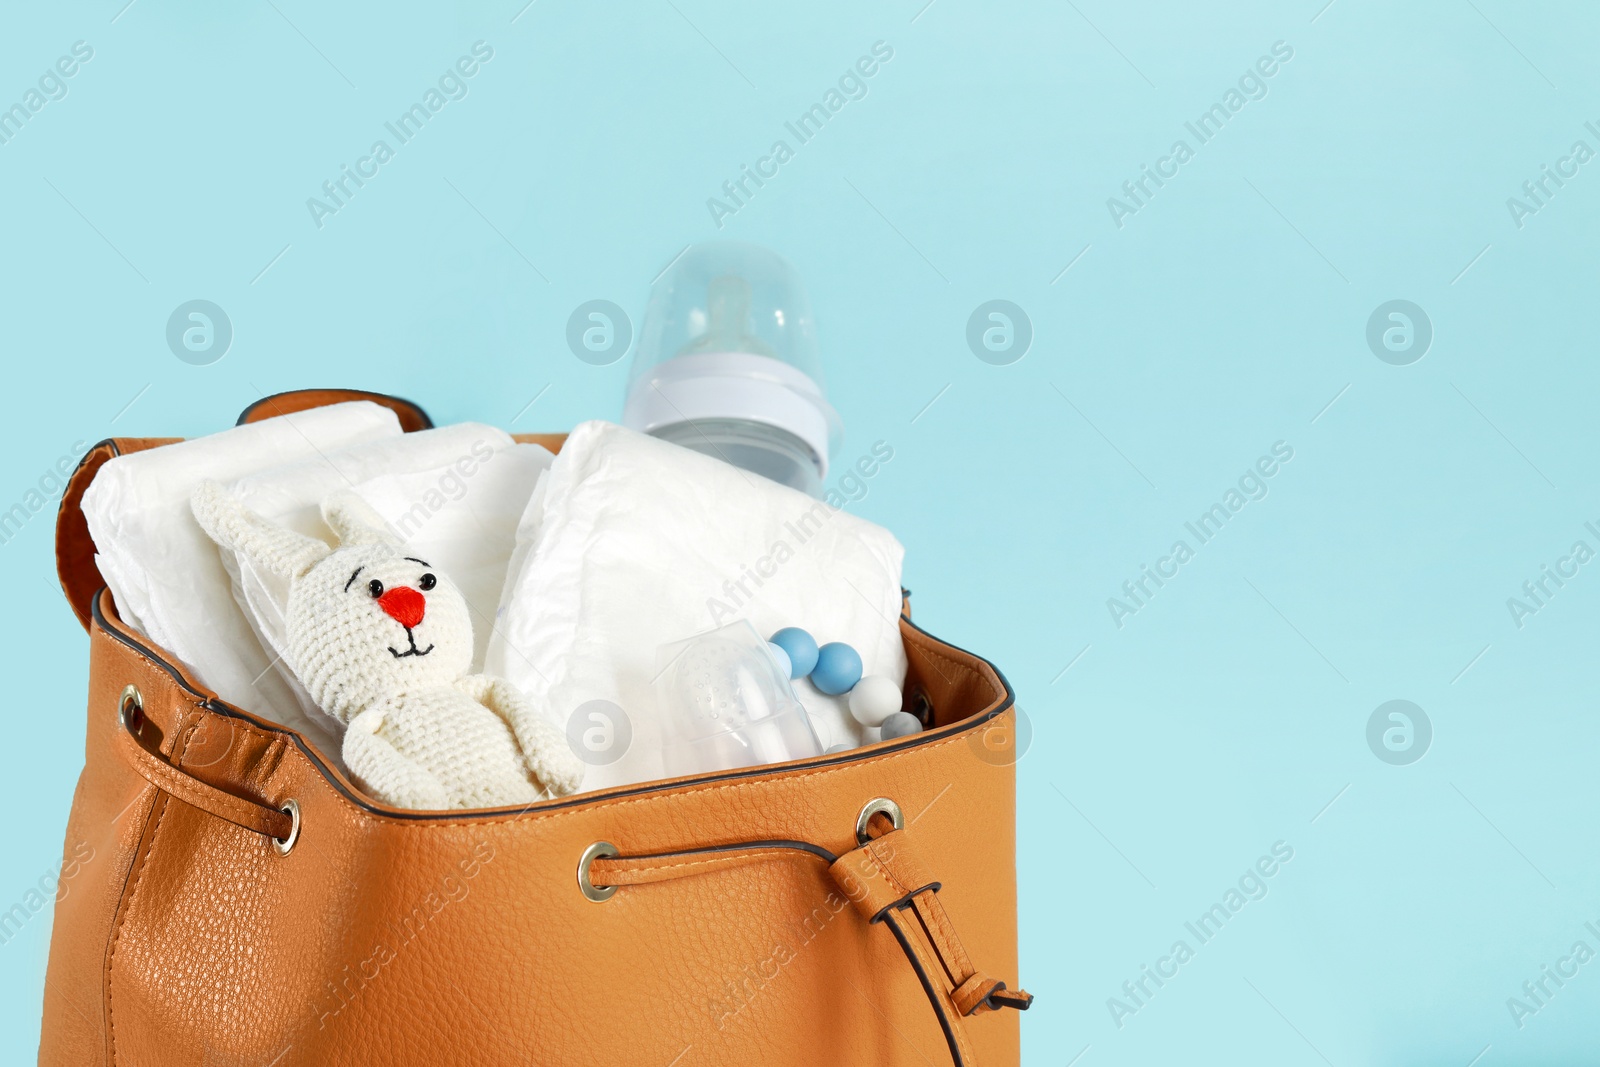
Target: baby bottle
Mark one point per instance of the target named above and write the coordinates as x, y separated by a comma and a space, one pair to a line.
727, 365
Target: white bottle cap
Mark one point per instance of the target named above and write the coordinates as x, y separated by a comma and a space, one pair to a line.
733, 385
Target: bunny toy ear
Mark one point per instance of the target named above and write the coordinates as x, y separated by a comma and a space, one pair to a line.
232, 525
355, 521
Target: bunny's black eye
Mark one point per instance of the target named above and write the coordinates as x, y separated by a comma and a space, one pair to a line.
375, 587
427, 582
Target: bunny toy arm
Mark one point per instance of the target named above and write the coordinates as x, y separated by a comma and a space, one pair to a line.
384, 771
544, 747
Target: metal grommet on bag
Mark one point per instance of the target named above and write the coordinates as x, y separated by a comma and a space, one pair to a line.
600, 850
130, 709
290, 808
878, 806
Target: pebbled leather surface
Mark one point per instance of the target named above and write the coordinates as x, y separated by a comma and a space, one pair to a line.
464, 940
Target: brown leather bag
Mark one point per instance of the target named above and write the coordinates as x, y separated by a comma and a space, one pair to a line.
244, 903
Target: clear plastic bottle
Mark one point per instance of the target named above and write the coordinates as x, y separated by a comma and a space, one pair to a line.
727, 365
725, 703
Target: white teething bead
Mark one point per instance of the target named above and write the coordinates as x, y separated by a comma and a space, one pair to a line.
873, 700
900, 724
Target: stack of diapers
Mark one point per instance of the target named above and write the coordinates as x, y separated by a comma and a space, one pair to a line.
165, 573
629, 543
575, 572
451, 496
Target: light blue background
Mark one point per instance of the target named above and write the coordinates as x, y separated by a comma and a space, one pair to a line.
1221, 318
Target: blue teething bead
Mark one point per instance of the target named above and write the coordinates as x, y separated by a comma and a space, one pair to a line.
782, 657
800, 647
838, 668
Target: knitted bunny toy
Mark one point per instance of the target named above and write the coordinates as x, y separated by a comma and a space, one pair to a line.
383, 642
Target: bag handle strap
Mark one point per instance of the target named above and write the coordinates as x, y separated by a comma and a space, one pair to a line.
410, 414
887, 885
281, 826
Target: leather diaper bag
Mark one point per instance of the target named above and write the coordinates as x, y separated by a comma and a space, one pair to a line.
243, 903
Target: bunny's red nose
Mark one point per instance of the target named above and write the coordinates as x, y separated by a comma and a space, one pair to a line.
404, 605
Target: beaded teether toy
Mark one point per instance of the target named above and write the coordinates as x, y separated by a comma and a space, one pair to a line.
835, 669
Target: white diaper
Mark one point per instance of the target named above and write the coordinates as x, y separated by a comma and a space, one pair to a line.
452, 495
165, 573
471, 531
630, 543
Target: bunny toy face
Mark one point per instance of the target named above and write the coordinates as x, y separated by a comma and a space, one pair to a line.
364, 621
367, 622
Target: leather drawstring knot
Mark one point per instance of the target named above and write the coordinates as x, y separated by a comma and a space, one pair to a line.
887, 884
